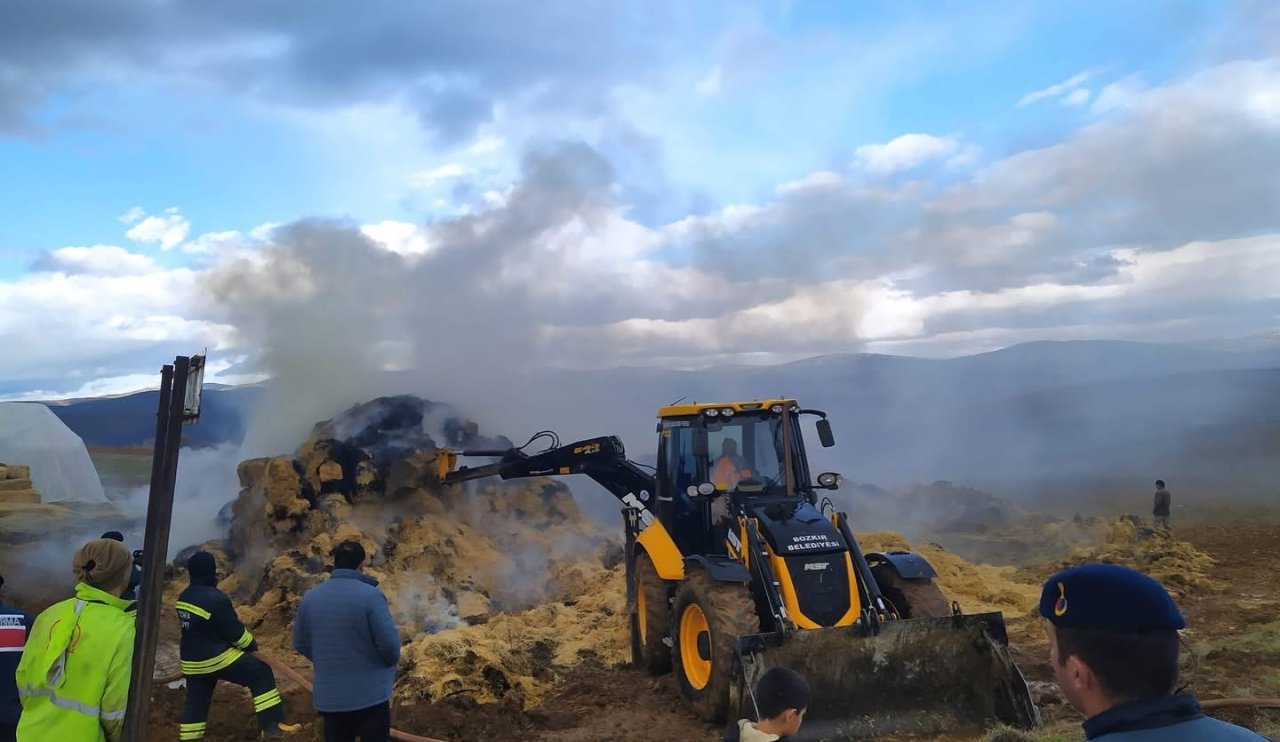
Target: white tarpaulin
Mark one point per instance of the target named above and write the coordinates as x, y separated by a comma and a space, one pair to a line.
61, 469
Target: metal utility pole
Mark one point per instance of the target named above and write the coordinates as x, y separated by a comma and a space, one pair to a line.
181, 385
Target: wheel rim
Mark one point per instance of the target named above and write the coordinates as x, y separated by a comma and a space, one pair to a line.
693, 624
640, 611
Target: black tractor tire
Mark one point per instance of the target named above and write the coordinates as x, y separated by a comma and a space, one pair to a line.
915, 598
654, 616
729, 611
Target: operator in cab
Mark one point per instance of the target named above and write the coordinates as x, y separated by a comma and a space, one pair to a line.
730, 468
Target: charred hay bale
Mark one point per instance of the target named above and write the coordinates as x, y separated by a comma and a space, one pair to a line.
410, 473
275, 502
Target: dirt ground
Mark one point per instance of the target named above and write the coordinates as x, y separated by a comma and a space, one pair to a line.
1232, 649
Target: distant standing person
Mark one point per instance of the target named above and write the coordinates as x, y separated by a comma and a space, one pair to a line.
1163, 501
14, 627
345, 628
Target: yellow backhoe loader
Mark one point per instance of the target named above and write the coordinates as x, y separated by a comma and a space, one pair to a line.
735, 564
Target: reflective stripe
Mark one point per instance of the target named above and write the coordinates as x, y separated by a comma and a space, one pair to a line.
213, 664
192, 731
59, 666
70, 704
194, 609
245, 640
267, 700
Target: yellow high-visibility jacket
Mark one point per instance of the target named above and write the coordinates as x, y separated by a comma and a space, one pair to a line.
73, 678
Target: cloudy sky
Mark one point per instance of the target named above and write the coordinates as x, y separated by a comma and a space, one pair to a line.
392, 185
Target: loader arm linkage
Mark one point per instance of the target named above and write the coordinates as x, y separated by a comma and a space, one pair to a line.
603, 459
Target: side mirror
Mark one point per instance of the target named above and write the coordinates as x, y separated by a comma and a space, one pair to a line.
829, 480
700, 443
824, 433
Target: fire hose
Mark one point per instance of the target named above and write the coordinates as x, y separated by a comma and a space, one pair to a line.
297, 677
305, 684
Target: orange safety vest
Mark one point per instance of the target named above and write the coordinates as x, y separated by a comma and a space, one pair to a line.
727, 474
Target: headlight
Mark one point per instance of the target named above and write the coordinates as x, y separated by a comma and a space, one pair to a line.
712, 412
727, 412
706, 488
776, 409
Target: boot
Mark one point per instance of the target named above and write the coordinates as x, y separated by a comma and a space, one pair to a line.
280, 729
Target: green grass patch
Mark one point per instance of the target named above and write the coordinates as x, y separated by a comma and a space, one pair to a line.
1257, 639
122, 469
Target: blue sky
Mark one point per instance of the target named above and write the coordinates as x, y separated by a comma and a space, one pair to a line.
238, 116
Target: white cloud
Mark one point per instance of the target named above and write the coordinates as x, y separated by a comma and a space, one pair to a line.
1077, 97
214, 242
132, 215
168, 230
437, 175
906, 152
102, 260
813, 181
398, 237
1066, 87
485, 145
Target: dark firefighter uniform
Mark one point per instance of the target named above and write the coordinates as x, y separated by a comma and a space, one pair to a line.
214, 647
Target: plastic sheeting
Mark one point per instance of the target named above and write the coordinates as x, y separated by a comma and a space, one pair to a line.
61, 469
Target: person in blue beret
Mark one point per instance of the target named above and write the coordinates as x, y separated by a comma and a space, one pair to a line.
1113, 644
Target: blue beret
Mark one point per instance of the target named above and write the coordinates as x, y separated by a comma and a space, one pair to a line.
1109, 597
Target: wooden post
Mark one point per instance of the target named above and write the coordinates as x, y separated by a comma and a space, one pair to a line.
164, 472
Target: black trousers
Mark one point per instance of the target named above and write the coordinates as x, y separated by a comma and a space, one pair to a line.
8, 732
367, 725
248, 671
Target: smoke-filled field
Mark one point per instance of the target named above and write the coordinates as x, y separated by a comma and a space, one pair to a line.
511, 601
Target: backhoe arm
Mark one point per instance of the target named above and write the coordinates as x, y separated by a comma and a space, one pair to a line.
603, 459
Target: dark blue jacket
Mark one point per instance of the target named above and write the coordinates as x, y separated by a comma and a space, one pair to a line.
1176, 718
345, 628
14, 628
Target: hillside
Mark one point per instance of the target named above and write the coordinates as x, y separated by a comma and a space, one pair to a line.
1018, 421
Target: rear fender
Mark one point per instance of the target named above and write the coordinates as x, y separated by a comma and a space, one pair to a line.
908, 565
721, 569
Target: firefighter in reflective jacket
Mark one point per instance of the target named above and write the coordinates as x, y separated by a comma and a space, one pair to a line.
214, 646
73, 677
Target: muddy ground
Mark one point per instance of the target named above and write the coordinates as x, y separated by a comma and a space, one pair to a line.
1233, 646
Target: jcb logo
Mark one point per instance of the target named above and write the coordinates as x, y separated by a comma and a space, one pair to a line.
816, 566
589, 448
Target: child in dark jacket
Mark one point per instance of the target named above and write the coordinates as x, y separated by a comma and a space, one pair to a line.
781, 699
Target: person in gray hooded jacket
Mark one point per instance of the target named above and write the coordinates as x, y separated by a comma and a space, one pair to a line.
345, 628
1113, 645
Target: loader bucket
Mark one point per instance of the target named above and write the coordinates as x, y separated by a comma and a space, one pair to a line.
923, 676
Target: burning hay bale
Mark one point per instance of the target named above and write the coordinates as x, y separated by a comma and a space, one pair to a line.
1179, 566
978, 588
490, 584
517, 657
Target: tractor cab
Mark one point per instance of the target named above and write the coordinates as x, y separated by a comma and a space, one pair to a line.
714, 459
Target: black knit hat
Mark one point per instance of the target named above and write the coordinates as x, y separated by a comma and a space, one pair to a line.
202, 564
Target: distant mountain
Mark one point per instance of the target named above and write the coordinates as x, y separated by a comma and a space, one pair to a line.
1021, 421
130, 420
